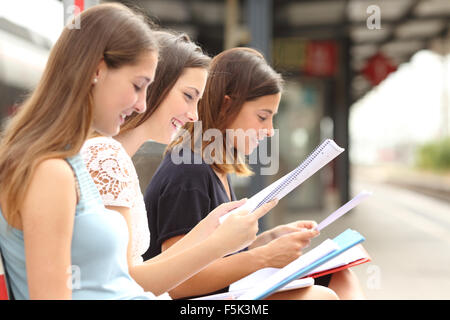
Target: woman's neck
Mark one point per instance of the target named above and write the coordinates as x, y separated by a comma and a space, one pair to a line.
133, 139
220, 175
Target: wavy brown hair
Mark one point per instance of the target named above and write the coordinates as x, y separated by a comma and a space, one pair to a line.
56, 118
244, 75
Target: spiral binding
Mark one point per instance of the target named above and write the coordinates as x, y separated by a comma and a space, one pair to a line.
294, 174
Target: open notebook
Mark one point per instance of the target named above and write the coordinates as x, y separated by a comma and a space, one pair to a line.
238, 290
323, 154
351, 257
308, 262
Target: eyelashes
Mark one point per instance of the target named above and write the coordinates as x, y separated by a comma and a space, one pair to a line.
188, 96
262, 118
137, 88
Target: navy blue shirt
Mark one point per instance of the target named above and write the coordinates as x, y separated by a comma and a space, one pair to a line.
178, 197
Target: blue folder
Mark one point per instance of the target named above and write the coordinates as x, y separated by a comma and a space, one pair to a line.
345, 241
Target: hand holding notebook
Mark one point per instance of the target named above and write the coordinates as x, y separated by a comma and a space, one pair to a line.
323, 154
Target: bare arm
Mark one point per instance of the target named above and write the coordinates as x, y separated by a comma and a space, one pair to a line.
283, 246
163, 274
47, 216
219, 274
200, 232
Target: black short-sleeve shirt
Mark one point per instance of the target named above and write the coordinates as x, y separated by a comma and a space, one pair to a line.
178, 197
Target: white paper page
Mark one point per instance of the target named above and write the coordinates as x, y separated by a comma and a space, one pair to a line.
231, 295
253, 279
349, 256
323, 154
303, 261
344, 209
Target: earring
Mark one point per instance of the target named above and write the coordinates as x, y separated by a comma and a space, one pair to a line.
95, 81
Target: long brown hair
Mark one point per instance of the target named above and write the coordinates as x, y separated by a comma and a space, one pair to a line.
176, 53
56, 119
244, 75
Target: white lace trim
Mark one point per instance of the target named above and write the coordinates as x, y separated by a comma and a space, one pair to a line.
115, 176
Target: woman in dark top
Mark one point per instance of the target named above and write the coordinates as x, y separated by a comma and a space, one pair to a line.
195, 187
242, 92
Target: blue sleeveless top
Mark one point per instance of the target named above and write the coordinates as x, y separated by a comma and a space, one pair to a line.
99, 249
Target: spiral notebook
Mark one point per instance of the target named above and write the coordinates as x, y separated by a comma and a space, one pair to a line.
322, 154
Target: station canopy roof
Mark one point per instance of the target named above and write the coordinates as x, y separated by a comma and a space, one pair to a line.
405, 27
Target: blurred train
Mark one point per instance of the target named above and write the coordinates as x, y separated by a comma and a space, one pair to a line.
23, 55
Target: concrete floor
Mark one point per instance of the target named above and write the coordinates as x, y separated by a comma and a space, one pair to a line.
408, 238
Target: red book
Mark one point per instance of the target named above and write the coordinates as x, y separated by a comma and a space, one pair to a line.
3, 285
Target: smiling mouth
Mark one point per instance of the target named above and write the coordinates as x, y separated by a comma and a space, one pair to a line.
176, 123
123, 115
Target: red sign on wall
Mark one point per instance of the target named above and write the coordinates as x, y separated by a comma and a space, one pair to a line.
378, 68
321, 58
79, 4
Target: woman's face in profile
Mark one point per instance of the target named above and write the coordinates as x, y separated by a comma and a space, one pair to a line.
254, 122
117, 93
180, 104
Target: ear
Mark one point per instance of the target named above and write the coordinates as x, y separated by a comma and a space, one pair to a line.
226, 102
101, 70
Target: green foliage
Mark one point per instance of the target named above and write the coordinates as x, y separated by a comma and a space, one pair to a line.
435, 155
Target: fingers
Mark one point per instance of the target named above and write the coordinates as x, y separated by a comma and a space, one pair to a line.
301, 239
265, 208
308, 224
306, 234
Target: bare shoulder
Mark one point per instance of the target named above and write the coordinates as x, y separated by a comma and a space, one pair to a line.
52, 188
55, 167
54, 175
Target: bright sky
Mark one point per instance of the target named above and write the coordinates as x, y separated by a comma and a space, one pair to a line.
45, 17
405, 108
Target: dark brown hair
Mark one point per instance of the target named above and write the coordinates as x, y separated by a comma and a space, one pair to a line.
242, 74
176, 53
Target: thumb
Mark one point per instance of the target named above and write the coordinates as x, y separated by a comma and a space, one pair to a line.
224, 208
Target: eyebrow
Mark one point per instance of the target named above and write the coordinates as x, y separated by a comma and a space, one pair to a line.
196, 91
147, 79
268, 111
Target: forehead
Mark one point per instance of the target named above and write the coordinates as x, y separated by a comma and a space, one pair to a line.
196, 76
146, 64
267, 103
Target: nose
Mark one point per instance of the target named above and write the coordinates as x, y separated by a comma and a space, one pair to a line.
270, 130
141, 104
192, 115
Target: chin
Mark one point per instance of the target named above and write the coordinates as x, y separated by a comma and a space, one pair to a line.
249, 150
114, 132
109, 132
246, 151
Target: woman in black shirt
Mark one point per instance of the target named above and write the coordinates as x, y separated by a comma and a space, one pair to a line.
242, 94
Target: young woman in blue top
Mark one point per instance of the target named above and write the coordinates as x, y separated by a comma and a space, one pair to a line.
57, 238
